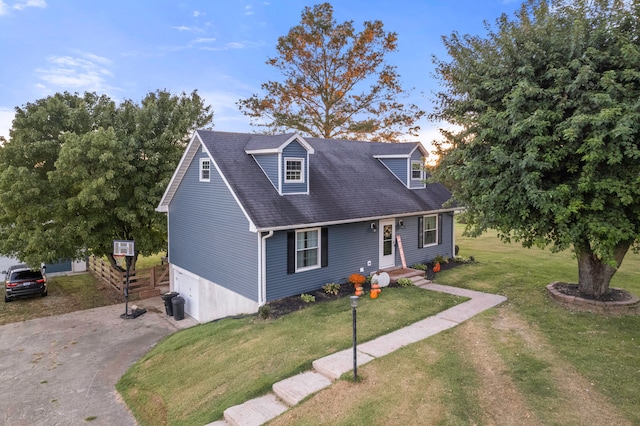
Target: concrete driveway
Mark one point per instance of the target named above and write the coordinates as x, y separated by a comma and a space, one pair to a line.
62, 370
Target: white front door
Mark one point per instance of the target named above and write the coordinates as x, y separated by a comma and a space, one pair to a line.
387, 247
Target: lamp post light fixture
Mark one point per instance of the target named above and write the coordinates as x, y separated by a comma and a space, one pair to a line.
354, 305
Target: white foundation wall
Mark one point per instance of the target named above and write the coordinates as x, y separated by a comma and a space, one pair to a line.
206, 301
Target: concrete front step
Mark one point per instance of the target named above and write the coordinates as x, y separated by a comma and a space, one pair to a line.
420, 281
396, 273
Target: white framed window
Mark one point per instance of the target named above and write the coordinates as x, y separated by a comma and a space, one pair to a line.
205, 170
417, 170
430, 230
294, 170
307, 249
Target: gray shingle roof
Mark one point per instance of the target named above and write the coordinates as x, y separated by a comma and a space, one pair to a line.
258, 142
345, 182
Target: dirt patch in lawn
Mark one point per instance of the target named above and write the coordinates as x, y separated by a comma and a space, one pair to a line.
576, 400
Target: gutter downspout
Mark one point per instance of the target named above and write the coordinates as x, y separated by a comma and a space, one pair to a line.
262, 277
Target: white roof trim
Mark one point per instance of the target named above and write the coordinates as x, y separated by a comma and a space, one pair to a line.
392, 156
281, 148
181, 170
178, 174
252, 226
355, 220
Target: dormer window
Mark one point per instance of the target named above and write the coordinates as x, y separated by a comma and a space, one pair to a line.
417, 171
294, 170
205, 170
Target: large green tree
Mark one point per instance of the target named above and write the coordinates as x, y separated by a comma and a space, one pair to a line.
549, 106
81, 171
336, 83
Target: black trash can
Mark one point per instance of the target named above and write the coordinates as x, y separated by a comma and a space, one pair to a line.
168, 306
178, 308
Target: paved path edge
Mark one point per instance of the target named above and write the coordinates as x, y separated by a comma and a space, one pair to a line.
288, 392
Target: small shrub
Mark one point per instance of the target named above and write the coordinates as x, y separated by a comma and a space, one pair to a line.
419, 266
264, 311
440, 259
405, 282
357, 279
308, 298
331, 288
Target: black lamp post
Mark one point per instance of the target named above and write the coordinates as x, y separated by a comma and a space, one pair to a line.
354, 305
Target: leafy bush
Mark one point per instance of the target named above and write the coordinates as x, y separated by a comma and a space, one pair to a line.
264, 311
405, 282
440, 259
308, 298
331, 288
419, 267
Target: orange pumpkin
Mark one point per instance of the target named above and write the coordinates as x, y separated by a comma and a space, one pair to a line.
436, 267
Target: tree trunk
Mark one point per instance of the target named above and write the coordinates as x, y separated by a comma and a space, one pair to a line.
594, 275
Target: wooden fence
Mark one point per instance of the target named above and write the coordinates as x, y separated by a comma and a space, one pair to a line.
142, 284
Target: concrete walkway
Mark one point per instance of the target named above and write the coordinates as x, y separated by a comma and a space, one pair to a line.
289, 392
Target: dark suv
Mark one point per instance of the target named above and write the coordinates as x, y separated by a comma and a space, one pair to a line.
24, 281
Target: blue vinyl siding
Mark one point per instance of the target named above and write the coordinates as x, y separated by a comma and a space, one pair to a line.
295, 150
209, 234
350, 247
416, 184
398, 167
410, 234
60, 266
269, 164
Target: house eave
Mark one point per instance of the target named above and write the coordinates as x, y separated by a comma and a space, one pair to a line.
354, 220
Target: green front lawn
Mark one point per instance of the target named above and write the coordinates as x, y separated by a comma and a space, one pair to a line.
191, 377
528, 358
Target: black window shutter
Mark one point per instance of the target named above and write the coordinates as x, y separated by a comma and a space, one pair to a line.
439, 229
291, 252
324, 247
420, 237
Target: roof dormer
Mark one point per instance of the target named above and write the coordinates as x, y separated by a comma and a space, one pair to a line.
284, 159
406, 161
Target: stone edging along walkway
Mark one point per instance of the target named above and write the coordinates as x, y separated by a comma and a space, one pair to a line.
623, 307
289, 392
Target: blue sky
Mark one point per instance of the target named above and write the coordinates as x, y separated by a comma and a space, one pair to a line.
127, 48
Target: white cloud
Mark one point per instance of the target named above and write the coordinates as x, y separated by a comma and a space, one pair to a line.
197, 13
248, 10
204, 40
4, 9
228, 46
431, 132
30, 3
189, 29
87, 73
226, 116
6, 118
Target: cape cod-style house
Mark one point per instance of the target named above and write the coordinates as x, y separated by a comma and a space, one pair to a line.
254, 218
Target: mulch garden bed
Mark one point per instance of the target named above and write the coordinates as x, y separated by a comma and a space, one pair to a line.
614, 295
280, 307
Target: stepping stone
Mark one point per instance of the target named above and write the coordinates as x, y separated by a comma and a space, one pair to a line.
335, 365
255, 412
296, 388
